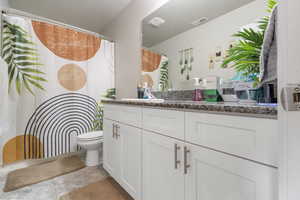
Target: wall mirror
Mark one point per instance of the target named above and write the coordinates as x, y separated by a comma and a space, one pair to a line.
186, 40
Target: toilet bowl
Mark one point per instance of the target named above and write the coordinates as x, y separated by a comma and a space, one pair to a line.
91, 142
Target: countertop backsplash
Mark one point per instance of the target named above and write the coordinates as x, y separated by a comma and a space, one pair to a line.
179, 95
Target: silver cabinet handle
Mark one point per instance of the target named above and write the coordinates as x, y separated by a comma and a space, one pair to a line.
186, 165
176, 149
117, 131
113, 130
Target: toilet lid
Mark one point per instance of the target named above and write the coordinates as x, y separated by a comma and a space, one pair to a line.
91, 135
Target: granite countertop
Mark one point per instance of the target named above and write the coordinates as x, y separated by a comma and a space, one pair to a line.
228, 108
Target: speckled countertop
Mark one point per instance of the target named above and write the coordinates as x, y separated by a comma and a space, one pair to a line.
252, 110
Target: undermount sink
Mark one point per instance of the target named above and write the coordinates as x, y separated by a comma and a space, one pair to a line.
145, 100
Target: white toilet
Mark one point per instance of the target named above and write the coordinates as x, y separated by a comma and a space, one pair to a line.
91, 142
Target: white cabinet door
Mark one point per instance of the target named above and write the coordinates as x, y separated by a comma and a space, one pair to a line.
161, 181
130, 141
217, 176
110, 149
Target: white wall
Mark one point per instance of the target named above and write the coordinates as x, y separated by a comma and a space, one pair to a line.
4, 4
205, 39
126, 31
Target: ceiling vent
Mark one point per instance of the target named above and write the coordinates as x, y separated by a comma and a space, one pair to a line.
156, 22
199, 21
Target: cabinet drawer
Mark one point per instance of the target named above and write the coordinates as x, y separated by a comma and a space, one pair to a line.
111, 112
131, 115
252, 138
125, 114
166, 122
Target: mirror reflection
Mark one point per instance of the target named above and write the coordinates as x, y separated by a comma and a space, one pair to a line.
194, 44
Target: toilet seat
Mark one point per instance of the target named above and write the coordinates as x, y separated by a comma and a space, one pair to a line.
91, 136
90, 139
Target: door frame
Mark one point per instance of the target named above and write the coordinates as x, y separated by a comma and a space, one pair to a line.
288, 122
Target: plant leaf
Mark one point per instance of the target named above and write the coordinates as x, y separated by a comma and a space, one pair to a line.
20, 53
21, 58
30, 70
24, 64
27, 85
24, 48
164, 76
37, 78
11, 76
36, 84
18, 84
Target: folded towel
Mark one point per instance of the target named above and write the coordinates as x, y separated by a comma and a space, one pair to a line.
268, 59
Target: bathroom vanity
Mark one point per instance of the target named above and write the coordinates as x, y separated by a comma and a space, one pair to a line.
192, 151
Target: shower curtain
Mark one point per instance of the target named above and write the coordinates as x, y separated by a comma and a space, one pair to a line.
52, 79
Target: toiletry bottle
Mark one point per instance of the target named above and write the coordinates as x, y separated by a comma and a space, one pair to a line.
140, 92
197, 96
147, 92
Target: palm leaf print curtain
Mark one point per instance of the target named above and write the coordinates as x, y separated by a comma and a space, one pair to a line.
20, 54
52, 80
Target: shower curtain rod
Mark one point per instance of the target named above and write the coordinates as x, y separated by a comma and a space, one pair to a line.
43, 19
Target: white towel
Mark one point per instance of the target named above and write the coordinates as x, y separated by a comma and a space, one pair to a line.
268, 59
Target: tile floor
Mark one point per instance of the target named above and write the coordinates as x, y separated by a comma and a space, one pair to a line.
51, 189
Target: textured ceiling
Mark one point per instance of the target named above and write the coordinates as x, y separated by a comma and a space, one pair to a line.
179, 14
88, 14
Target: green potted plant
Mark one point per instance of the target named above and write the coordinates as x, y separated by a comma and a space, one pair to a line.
98, 122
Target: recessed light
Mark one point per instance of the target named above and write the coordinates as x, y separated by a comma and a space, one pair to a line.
156, 22
199, 21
